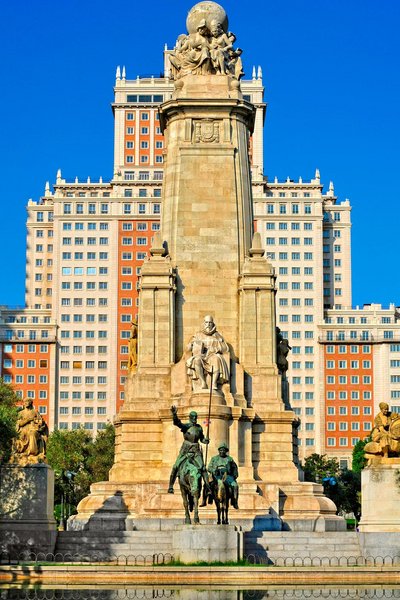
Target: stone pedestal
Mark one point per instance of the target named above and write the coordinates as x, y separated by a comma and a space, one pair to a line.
27, 522
380, 496
194, 543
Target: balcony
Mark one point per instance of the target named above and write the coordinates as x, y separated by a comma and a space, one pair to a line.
340, 338
39, 339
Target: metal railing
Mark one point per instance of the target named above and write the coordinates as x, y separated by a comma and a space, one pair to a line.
99, 557
92, 594
298, 593
322, 561
161, 558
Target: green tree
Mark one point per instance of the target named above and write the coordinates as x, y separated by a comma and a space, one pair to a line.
345, 491
67, 453
341, 486
102, 452
317, 467
8, 419
79, 460
359, 461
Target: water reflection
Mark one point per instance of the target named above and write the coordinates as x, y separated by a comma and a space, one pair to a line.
189, 593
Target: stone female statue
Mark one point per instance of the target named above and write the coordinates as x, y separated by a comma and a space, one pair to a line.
30, 444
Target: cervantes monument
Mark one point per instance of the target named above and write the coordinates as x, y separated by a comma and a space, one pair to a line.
206, 261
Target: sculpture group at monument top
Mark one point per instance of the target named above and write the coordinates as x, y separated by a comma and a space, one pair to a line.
208, 47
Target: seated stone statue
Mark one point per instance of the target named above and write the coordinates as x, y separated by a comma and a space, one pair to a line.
208, 347
385, 434
220, 47
30, 445
192, 52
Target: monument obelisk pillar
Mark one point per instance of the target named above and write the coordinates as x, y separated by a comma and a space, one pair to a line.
207, 216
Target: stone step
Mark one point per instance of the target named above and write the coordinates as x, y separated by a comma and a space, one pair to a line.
95, 545
276, 546
270, 545
301, 535
115, 534
316, 543
307, 551
114, 551
304, 547
265, 538
103, 544
113, 540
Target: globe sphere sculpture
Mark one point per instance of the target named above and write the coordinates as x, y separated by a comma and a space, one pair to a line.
208, 11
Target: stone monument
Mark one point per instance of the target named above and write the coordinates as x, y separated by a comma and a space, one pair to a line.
206, 261
27, 522
380, 480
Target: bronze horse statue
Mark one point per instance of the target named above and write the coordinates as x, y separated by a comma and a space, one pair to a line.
190, 481
221, 493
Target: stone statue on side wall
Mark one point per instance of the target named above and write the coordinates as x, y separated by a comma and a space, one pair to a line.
29, 446
208, 347
133, 347
192, 54
282, 351
385, 434
208, 47
224, 57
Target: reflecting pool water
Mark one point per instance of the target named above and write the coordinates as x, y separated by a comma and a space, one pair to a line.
201, 593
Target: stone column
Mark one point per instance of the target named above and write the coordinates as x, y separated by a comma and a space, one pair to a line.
257, 310
156, 342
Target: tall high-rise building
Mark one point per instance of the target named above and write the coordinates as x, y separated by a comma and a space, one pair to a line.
360, 352
307, 238
86, 242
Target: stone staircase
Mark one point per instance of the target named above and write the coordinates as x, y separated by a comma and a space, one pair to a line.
296, 548
105, 545
290, 548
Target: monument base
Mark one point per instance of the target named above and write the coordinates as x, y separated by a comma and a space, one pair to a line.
145, 506
194, 543
304, 507
380, 496
27, 523
118, 507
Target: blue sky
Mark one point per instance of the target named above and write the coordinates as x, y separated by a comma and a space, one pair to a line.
332, 79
